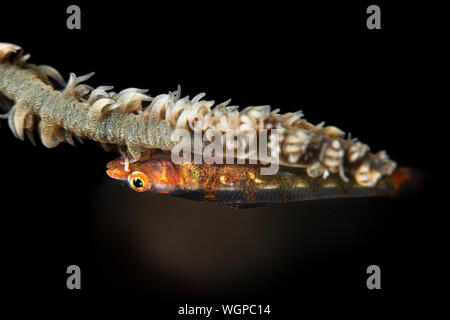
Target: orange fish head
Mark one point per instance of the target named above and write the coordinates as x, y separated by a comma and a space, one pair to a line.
142, 175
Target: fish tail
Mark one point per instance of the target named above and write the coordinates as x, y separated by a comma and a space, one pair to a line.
409, 181
404, 182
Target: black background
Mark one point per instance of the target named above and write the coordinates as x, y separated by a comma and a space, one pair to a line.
59, 208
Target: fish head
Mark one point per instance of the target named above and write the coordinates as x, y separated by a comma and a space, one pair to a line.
149, 175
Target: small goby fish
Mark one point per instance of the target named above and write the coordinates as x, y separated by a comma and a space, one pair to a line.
243, 185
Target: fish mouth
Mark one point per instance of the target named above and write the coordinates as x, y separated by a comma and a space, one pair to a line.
114, 171
113, 174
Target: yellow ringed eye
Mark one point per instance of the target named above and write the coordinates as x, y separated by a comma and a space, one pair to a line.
138, 181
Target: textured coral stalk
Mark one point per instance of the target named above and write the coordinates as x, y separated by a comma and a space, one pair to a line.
136, 124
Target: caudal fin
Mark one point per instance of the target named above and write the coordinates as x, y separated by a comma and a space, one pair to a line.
409, 181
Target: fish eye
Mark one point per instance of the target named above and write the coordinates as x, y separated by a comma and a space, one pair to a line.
138, 181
